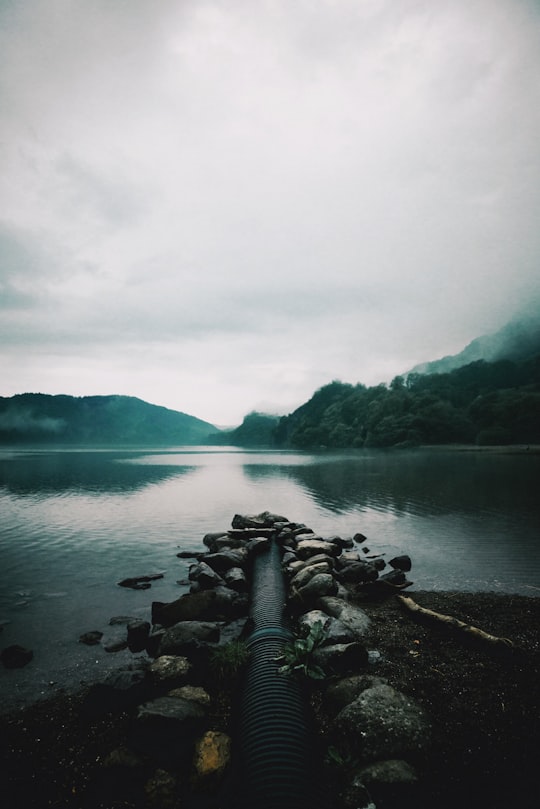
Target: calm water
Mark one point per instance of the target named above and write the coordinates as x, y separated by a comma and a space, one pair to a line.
73, 523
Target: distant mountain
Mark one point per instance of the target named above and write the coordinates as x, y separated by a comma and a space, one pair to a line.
256, 430
38, 418
518, 340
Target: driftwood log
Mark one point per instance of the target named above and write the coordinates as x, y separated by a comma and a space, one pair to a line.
455, 623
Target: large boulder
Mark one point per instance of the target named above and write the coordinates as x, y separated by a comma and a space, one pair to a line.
305, 575
222, 561
204, 576
341, 658
353, 617
344, 691
335, 631
220, 604
166, 728
314, 545
383, 723
183, 636
357, 573
322, 584
263, 520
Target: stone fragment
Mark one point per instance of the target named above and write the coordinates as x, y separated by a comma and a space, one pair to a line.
137, 635
212, 755
15, 656
140, 582
170, 669
402, 562
91, 638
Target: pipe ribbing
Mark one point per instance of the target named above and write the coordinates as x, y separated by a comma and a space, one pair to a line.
275, 750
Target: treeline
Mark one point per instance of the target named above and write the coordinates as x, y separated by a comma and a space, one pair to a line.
256, 430
485, 403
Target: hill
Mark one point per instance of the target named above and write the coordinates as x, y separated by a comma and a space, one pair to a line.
518, 340
38, 418
256, 430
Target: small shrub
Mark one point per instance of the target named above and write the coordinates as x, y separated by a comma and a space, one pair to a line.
298, 655
227, 661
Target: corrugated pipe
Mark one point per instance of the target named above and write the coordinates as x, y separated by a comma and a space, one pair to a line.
275, 742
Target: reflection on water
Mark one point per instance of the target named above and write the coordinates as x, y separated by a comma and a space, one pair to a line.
99, 472
76, 522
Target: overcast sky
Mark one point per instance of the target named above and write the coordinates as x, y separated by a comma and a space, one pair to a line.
221, 205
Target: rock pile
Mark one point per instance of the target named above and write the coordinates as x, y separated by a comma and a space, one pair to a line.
195, 654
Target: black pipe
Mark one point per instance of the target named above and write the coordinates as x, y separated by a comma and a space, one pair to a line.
275, 739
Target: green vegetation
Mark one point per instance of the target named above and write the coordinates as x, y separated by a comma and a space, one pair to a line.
298, 654
256, 430
482, 403
37, 418
228, 660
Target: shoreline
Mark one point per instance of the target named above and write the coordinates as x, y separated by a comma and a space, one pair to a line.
484, 708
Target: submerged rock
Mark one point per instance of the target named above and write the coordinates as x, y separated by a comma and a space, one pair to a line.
15, 657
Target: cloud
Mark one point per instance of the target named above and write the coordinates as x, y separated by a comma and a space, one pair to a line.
212, 204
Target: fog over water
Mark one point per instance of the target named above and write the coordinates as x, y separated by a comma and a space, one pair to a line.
221, 205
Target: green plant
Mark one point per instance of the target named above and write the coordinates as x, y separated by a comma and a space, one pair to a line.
343, 761
298, 654
226, 661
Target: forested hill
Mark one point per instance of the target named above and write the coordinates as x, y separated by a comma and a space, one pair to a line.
482, 403
37, 418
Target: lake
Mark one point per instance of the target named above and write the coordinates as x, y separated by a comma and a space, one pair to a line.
75, 522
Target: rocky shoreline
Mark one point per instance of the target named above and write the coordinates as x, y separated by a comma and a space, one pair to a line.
406, 710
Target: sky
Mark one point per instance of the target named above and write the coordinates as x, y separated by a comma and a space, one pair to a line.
220, 206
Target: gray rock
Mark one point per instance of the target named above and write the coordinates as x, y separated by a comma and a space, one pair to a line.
171, 709
161, 790
166, 728
310, 547
383, 723
119, 691
263, 520
211, 540
307, 572
91, 638
178, 639
137, 635
225, 559
235, 578
15, 656
341, 658
346, 690
170, 669
220, 604
390, 783
401, 562
335, 630
204, 576
322, 584
353, 617
358, 572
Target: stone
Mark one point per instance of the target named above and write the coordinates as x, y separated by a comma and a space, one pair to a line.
263, 520
390, 783
116, 645
212, 755
322, 584
210, 540
356, 796
357, 572
402, 562
140, 582
306, 574
335, 631
123, 757
137, 635
257, 545
15, 656
220, 604
170, 669
359, 538
171, 709
353, 617
343, 692
383, 723
91, 638
226, 559
161, 790
235, 578
177, 639
119, 691
341, 658
194, 693
204, 575
309, 547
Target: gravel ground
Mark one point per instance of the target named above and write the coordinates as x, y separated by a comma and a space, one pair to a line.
483, 702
